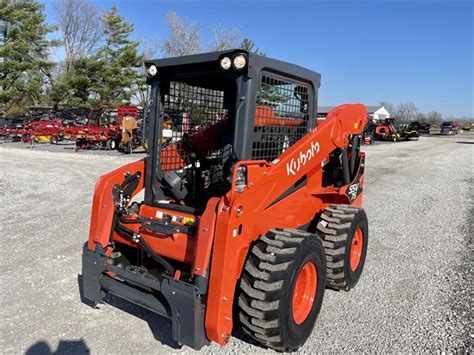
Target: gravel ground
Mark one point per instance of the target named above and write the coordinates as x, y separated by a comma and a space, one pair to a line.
415, 293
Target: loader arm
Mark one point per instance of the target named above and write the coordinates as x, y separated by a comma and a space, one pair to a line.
267, 201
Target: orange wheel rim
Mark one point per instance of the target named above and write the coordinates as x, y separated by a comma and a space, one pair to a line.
304, 292
356, 249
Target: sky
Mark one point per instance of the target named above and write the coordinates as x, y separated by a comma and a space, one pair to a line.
366, 51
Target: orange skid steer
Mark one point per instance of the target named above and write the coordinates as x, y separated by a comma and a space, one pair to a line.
250, 209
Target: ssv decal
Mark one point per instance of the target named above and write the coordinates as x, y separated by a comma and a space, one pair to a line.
302, 159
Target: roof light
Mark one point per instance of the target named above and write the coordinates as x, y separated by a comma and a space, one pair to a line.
240, 61
226, 63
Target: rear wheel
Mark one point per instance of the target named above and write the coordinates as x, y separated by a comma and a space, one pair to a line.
282, 288
53, 140
345, 235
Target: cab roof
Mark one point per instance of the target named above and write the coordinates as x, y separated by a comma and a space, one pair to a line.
256, 64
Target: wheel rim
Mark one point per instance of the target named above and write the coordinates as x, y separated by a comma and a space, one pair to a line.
304, 292
356, 249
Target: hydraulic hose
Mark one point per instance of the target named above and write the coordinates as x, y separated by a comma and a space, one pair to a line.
138, 239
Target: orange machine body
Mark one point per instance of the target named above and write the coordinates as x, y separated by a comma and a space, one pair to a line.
228, 226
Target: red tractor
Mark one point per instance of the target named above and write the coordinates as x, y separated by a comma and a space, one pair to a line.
251, 207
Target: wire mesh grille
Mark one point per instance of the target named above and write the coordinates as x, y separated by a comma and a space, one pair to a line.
194, 120
281, 117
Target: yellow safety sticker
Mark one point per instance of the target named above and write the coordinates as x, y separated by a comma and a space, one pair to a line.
188, 220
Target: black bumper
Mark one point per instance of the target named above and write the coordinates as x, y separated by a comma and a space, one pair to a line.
177, 300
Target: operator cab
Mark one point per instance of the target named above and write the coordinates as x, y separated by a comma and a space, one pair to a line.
209, 111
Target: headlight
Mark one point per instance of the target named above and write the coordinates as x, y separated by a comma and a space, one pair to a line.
226, 63
152, 70
239, 61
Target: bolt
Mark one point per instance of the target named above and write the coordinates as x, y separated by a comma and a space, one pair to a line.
225, 298
173, 292
205, 229
197, 268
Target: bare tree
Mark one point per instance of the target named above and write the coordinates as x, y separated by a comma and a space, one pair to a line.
79, 22
184, 37
434, 118
420, 117
406, 111
148, 49
224, 38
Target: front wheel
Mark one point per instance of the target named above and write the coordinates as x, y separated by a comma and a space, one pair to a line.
282, 288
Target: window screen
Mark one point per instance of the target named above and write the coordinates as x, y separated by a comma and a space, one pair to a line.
194, 120
281, 116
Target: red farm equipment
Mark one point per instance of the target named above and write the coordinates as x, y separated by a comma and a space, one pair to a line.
103, 129
245, 209
51, 131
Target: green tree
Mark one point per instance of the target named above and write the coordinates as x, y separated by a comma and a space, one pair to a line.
74, 88
249, 46
118, 58
24, 51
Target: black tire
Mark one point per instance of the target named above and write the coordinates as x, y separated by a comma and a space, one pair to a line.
110, 144
338, 225
264, 297
53, 140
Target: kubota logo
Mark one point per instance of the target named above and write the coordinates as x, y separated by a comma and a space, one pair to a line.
303, 158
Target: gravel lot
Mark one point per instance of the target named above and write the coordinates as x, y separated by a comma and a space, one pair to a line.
415, 294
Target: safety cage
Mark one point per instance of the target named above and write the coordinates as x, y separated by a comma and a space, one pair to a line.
281, 115
208, 113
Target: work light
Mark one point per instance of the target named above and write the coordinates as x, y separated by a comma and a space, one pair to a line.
152, 70
226, 63
239, 61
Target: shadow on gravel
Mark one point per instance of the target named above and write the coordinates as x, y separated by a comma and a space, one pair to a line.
159, 326
462, 142
64, 347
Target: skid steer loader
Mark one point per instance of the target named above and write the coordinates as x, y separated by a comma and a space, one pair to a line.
249, 207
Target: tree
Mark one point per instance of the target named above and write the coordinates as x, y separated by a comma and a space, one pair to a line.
25, 64
225, 39
75, 88
249, 46
184, 37
79, 23
118, 59
434, 118
148, 49
406, 111
420, 117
